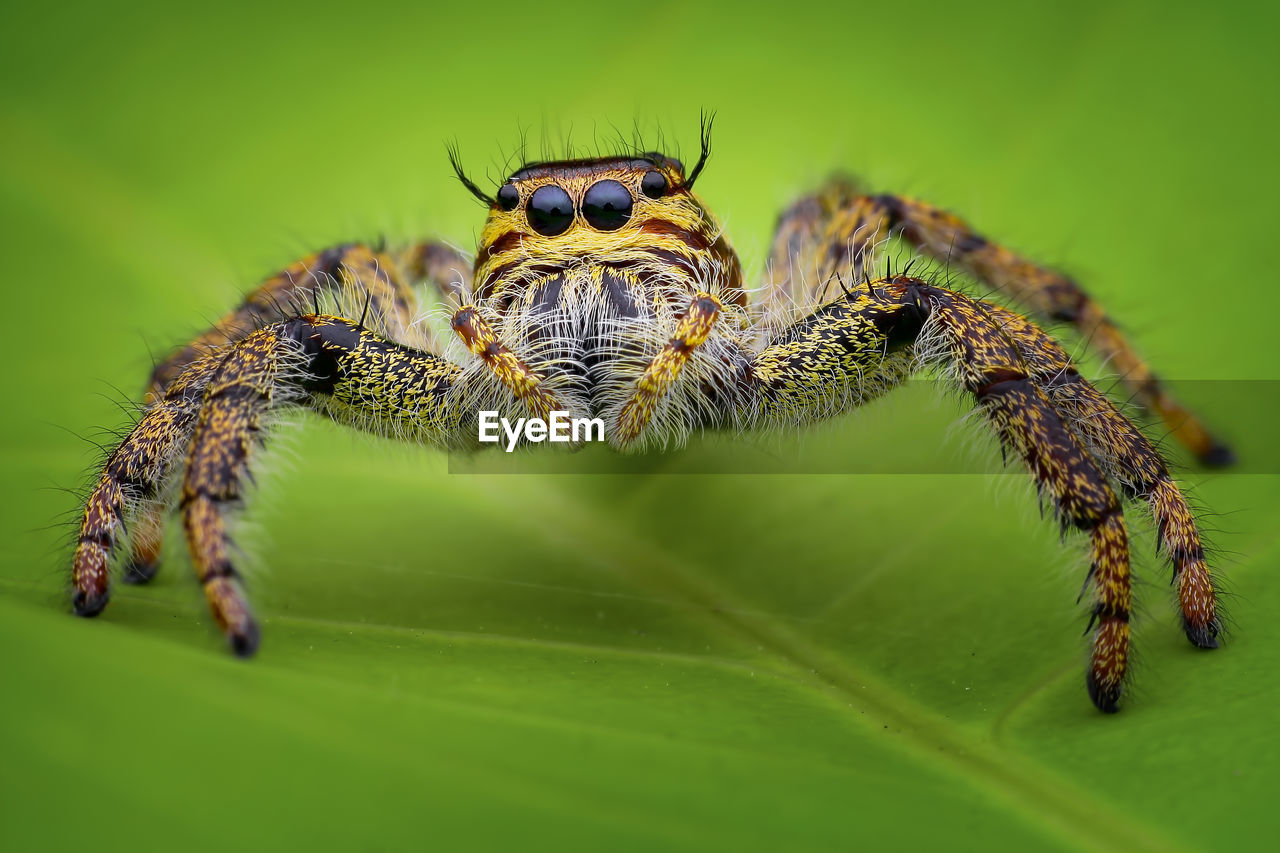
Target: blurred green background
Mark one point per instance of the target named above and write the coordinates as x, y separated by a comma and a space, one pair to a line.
579, 659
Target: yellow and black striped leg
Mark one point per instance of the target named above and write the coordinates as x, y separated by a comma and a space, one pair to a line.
444, 268
1132, 462
379, 281
146, 539
843, 354
862, 344
692, 330
132, 480
217, 408
329, 363
992, 368
1054, 296
529, 386
809, 245
834, 231
293, 290
238, 398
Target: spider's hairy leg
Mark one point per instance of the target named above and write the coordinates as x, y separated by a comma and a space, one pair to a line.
1053, 296
825, 362
523, 381
839, 356
444, 268
831, 232
328, 363
291, 291
378, 277
799, 262
237, 398
692, 329
148, 536
992, 368
132, 478
1132, 462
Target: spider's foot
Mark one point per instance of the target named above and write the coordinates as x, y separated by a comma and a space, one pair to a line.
144, 562
1110, 662
139, 572
244, 640
1105, 693
90, 578
89, 604
233, 615
1218, 455
1202, 636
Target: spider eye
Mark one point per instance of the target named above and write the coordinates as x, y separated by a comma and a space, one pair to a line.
508, 197
607, 205
550, 210
653, 184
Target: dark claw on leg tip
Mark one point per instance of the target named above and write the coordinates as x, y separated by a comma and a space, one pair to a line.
88, 605
1218, 456
245, 641
1106, 698
138, 573
1202, 636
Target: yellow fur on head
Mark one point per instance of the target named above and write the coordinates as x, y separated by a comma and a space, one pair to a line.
663, 235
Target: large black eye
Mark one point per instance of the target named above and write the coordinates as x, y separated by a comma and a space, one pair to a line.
607, 205
653, 184
550, 210
508, 197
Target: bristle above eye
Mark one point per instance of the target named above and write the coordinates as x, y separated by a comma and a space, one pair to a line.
637, 150
455, 161
708, 119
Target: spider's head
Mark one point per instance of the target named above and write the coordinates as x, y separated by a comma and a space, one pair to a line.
623, 210
590, 203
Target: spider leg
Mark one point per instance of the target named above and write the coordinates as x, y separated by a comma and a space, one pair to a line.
692, 330
377, 280
294, 289
135, 473
824, 363
146, 539
843, 354
1131, 461
527, 384
444, 268
327, 363
834, 229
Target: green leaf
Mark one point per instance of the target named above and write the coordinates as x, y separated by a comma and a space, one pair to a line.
582, 651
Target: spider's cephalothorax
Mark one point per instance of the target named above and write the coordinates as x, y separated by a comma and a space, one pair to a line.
605, 288
583, 268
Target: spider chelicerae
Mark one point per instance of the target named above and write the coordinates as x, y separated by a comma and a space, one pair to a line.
604, 288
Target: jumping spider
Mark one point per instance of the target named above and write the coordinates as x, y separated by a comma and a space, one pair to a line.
605, 288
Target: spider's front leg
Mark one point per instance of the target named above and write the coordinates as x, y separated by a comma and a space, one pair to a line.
1068, 434
380, 281
838, 229
223, 403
